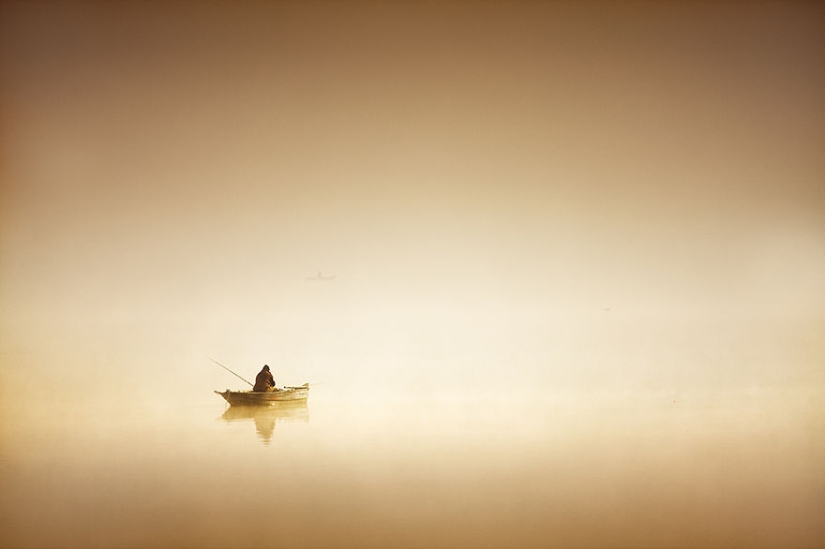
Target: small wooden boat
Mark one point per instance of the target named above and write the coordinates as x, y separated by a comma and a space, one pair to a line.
269, 398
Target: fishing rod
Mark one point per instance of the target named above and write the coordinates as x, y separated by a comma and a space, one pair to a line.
228, 370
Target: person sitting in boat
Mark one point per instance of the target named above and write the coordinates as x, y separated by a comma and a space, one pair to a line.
264, 382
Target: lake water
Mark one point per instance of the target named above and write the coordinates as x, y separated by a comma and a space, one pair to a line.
503, 464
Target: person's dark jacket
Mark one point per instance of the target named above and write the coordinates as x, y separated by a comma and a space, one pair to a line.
264, 381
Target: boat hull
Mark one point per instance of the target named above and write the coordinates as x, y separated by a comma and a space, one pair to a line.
252, 398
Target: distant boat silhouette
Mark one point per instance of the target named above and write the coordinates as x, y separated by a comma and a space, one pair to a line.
319, 278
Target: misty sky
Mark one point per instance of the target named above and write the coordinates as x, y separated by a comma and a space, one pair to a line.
204, 157
579, 251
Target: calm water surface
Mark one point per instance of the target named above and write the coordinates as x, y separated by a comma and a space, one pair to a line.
512, 467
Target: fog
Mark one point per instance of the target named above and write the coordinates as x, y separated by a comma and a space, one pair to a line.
575, 258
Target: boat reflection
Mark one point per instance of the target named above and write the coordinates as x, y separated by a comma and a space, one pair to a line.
267, 417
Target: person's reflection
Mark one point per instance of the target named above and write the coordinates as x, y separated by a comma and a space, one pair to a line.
266, 418
265, 425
